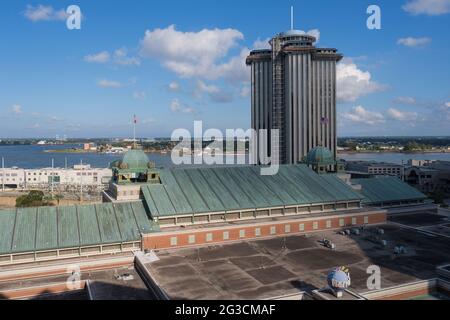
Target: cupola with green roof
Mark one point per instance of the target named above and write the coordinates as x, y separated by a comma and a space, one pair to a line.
319, 159
134, 167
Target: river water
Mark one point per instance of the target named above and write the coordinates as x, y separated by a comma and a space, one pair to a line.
33, 156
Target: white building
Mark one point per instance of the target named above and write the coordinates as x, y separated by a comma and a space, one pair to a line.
375, 168
12, 177
16, 178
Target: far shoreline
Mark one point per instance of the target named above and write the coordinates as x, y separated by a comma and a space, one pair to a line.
81, 151
395, 151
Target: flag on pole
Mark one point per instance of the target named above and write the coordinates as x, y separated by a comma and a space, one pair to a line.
135, 119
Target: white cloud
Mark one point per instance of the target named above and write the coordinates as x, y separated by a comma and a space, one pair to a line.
245, 92
235, 70
353, 83
261, 44
315, 33
44, 13
56, 119
109, 84
74, 127
139, 95
177, 106
414, 42
215, 93
427, 7
174, 86
16, 109
203, 87
148, 121
405, 100
101, 57
195, 54
189, 110
398, 115
121, 57
443, 110
359, 114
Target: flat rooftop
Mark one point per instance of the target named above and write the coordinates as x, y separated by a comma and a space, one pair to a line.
281, 266
122, 283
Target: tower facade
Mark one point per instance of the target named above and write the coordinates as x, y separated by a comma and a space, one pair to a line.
294, 91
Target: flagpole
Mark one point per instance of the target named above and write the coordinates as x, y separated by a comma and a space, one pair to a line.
52, 177
134, 132
81, 182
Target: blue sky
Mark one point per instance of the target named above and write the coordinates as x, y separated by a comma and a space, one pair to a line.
173, 62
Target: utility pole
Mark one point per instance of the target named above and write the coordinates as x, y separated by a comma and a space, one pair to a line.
3, 174
402, 171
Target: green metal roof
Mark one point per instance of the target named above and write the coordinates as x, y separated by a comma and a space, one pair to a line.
320, 156
207, 190
47, 228
135, 159
387, 189
7, 219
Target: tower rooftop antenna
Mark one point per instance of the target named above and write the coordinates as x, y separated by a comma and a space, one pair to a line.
292, 17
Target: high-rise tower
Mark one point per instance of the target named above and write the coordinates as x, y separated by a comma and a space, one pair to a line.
294, 90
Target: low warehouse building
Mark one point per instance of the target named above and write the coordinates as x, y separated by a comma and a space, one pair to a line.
388, 192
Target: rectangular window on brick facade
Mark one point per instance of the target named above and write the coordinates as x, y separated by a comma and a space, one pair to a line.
258, 232
301, 227
191, 239
366, 220
287, 228
173, 241
315, 225
241, 233
354, 222
273, 230
226, 235
209, 237
328, 224
341, 222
